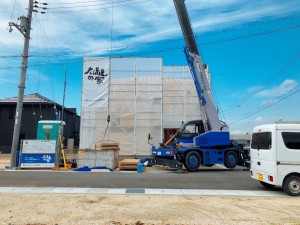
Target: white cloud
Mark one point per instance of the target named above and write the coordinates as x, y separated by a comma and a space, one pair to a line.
284, 88
247, 125
269, 102
237, 132
259, 119
83, 30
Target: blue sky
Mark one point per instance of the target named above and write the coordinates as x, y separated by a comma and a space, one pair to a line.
252, 49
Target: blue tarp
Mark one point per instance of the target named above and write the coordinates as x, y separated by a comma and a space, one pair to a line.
87, 169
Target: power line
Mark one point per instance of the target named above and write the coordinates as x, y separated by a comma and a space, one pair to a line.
42, 64
72, 3
12, 13
250, 25
112, 26
214, 93
87, 5
120, 5
224, 40
252, 35
228, 29
286, 65
265, 107
172, 40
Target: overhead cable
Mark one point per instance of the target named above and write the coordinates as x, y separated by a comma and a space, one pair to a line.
120, 5
259, 109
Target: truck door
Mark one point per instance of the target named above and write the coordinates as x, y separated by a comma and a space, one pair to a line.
263, 155
288, 151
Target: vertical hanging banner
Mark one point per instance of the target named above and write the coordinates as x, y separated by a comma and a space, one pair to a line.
95, 82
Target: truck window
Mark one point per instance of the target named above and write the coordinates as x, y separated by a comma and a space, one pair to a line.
191, 128
261, 141
291, 140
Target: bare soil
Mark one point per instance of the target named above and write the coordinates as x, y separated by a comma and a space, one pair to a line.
33, 209
4, 161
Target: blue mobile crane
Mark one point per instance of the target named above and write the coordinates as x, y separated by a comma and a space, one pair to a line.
199, 142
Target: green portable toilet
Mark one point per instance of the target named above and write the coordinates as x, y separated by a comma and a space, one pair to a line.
50, 129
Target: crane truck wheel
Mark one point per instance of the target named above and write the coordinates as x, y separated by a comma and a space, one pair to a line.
231, 159
291, 185
192, 161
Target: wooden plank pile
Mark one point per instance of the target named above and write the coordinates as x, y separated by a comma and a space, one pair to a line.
129, 164
107, 146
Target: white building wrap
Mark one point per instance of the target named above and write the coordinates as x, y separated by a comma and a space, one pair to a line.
95, 80
144, 98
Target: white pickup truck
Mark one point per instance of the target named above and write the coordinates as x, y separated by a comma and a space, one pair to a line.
275, 156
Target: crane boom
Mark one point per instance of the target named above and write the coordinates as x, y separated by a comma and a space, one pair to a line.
186, 27
199, 71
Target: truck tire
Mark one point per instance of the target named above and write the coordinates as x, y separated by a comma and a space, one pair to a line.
231, 160
266, 185
291, 185
192, 161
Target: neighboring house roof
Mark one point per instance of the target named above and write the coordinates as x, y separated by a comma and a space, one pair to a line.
34, 98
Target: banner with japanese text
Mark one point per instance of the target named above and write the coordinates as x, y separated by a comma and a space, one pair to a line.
95, 82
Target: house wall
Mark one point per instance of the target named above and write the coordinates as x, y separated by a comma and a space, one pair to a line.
31, 114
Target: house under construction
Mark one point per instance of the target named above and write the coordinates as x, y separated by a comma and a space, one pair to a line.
141, 96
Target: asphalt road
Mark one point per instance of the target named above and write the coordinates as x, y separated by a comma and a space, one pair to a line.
212, 178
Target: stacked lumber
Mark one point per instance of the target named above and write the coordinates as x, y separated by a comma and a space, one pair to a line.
107, 146
129, 164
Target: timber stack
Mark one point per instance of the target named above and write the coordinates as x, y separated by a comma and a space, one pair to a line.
129, 164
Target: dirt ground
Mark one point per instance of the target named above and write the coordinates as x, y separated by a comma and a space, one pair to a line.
38, 209
73, 209
4, 161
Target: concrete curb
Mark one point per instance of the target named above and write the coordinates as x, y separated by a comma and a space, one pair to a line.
130, 191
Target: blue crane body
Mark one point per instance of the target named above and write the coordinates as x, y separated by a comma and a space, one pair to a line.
199, 142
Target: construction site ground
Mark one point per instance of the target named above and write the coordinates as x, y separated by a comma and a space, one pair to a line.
65, 208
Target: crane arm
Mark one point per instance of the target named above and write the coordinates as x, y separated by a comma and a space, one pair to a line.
198, 70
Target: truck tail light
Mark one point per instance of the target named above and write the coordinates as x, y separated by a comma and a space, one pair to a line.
270, 178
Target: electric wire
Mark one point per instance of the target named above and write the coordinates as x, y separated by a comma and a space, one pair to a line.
29, 88
12, 13
252, 24
38, 51
259, 109
217, 102
120, 5
41, 30
111, 27
157, 51
252, 35
49, 74
236, 37
150, 52
19, 8
87, 5
180, 39
294, 58
72, 3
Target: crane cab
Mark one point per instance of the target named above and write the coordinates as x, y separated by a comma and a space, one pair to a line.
188, 131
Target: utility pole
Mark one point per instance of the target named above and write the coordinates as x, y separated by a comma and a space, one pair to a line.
24, 27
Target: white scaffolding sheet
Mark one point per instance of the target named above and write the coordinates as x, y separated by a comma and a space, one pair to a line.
144, 98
